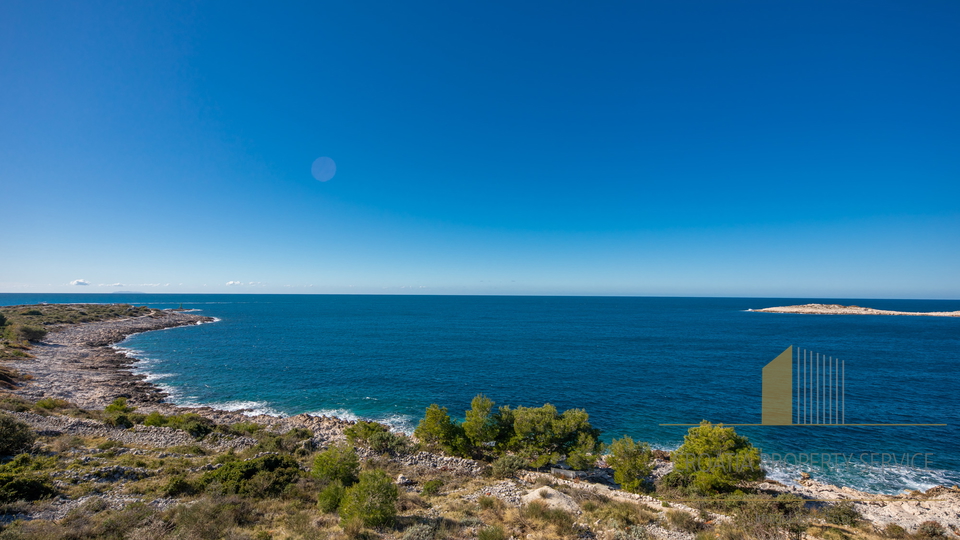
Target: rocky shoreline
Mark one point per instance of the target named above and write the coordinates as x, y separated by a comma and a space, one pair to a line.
76, 363
837, 309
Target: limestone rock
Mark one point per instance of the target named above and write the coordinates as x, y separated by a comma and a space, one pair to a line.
552, 498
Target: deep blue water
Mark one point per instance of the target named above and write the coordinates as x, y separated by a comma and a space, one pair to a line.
632, 363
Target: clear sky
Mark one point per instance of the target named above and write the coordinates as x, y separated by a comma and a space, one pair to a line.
736, 148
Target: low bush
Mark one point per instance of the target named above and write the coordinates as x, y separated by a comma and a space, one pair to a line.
371, 501
494, 532
892, 530
622, 514
339, 463
291, 441
29, 332
15, 436
431, 487
24, 486
52, 404
683, 521
210, 517
14, 403
331, 496
545, 517
844, 513
507, 465
378, 438
930, 530
260, 477
177, 486
194, 424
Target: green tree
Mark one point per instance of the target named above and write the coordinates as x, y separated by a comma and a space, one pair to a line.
543, 436
372, 500
339, 463
331, 496
630, 462
715, 459
438, 431
480, 425
584, 453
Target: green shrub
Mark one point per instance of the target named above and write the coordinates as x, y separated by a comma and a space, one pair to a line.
683, 521
494, 532
714, 459
15, 436
176, 486
14, 403
331, 496
194, 424
421, 531
372, 500
51, 404
339, 463
388, 442
210, 517
631, 464
844, 513
24, 487
30, 333
360, 432
431, 487
562, 522
119, 406
622, 514
892, 530
507, 465
260, 477
931, 530
155, 419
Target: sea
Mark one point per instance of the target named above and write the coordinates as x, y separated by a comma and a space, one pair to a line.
638, 365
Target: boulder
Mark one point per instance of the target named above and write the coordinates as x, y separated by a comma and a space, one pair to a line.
552, 498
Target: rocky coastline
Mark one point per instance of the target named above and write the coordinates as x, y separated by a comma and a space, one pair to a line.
76, 363
837, 309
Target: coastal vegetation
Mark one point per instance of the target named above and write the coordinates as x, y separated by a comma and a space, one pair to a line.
347, 490
539, 436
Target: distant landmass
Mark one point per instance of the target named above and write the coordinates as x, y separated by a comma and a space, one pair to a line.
837, 309
128, 292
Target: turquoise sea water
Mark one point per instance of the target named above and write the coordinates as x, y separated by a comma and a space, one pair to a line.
632, 363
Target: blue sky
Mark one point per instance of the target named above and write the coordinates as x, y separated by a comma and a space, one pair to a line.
671, 148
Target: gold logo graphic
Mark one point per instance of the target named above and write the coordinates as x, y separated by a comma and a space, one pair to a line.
804, 388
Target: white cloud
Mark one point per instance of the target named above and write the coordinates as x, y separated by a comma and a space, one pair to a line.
234, 283
80, 282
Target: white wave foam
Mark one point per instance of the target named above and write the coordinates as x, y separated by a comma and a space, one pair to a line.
397, 422
889, 480
151, 377
248, 408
